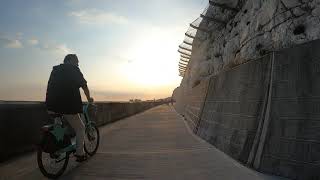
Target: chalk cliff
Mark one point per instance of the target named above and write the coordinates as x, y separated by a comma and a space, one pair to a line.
251, 83
240, 30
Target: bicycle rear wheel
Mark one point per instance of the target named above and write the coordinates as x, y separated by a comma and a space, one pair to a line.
52, 166
91, 140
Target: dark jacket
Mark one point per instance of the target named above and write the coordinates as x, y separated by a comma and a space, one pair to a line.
63, 94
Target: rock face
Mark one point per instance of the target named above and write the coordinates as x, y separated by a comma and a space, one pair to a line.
252, 29
251, 87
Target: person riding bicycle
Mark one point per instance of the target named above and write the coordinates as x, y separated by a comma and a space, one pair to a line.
63, 97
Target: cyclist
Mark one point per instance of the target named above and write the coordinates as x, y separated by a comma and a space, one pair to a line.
63, 97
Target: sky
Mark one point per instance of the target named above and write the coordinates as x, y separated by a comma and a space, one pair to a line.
127, 49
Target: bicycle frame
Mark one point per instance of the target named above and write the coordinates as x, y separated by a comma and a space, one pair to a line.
59, 131
88, 122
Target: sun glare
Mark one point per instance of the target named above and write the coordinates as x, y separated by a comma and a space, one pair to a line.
152, 61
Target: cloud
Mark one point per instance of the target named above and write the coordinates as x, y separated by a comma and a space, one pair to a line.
33, 41
14, 44
63, 48
57, 48
10, 43
19, 35
94, 16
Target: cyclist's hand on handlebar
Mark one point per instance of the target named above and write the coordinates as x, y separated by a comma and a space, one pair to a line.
90, 100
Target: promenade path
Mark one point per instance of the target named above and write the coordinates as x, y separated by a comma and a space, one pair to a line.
156, 144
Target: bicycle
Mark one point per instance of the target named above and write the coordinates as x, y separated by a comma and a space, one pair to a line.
58, 142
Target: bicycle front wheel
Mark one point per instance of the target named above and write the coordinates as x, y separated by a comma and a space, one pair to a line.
91, 140
52, 165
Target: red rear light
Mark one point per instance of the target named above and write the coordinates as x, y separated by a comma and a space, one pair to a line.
45, 128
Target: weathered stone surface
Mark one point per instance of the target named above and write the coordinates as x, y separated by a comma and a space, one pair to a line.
291, 3
258, 28
230, 3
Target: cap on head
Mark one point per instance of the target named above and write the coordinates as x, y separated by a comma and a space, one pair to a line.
71, 59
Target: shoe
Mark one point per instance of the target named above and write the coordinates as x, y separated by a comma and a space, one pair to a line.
81, 158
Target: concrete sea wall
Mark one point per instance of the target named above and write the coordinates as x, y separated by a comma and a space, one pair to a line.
191, 104
292, 123
20, 123
233, 107
251, 80
264, 113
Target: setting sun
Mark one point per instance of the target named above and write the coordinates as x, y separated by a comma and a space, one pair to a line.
152, 58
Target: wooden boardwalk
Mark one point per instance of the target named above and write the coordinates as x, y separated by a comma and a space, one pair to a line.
153, 145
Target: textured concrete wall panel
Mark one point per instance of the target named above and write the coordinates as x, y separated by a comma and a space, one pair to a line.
233, 107
293, 145
194, 102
